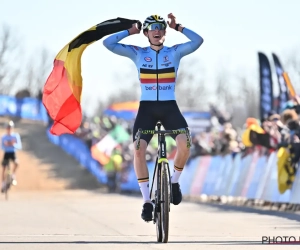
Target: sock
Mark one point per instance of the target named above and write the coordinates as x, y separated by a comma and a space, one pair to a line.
144, 187
176, 174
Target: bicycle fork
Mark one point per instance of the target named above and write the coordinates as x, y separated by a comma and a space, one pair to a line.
156, 200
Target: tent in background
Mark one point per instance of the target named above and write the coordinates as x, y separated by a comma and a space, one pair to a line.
123, 110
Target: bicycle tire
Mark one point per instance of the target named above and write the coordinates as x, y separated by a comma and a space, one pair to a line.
7, 186
6, 193
157, 214
165, 201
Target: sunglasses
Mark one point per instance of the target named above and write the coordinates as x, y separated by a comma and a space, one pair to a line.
156, 26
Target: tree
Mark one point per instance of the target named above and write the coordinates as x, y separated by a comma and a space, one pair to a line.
191, 88
130, 90
37, 72
127, 93
224, 90
9, 50
246, 103
291, 64
123, 95
44, 67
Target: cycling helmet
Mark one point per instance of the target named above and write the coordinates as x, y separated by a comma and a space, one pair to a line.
10, 124
154, 19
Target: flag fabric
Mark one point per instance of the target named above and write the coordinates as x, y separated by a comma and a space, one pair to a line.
285, 170
266, 86
283, 90
292, 91
62, 90
103, 149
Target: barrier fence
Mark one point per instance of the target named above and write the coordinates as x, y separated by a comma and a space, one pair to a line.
250, 177
26, 108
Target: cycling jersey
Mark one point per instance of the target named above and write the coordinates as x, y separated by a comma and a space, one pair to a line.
157, 70
13, 137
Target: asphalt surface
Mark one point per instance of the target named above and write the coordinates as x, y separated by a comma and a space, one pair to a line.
95, 220
58, 205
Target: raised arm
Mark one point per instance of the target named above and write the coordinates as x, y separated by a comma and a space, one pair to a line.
191, 46
112, 44
18, 143
184, 49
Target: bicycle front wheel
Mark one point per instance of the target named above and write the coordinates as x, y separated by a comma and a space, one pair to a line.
158, 211
7, 185
165, 200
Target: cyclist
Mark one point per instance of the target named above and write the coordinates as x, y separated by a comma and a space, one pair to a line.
157, 67
10, 142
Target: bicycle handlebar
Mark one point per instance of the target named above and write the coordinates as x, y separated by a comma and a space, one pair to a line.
163, 132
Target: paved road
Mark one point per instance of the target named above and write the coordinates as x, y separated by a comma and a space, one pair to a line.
42, 214
93, 220
43, 165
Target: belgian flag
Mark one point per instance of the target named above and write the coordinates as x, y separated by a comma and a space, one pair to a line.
62, 90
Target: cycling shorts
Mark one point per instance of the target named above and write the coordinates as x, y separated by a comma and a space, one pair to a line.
150, 112
7, 157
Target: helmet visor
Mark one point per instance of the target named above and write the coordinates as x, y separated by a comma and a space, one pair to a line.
156, 26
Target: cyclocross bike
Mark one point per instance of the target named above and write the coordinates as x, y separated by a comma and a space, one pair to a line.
8, 181
161, 181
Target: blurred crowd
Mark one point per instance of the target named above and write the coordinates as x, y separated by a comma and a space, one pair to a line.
278, 130
221, 138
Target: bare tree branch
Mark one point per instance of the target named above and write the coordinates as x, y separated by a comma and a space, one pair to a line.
123, 95
246, 103
223, 90
191, 89
36, 74
291, 64
44, 67
8, 50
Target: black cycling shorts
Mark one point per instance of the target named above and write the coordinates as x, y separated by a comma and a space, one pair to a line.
150, 112
7, 157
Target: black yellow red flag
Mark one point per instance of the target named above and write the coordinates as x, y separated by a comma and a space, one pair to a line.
62, 90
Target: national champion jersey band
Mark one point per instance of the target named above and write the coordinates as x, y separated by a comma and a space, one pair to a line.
157, 70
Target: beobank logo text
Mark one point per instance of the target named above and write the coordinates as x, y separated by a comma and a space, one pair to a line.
169, 87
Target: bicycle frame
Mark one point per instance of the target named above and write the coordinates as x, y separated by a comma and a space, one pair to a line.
161, 153
7, 180
161, 157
